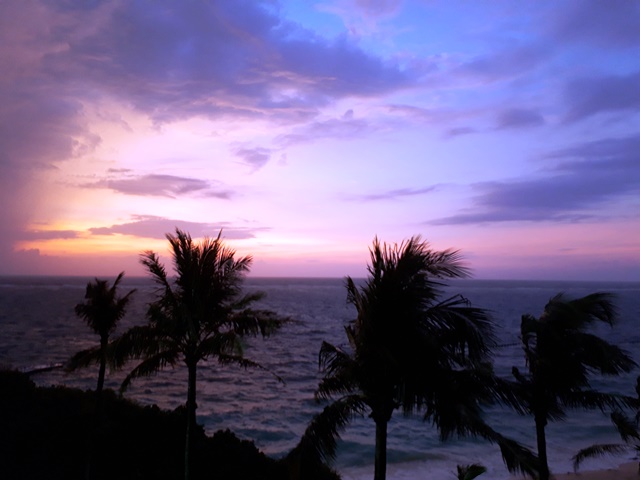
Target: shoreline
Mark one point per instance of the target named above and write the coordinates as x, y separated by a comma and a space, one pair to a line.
625, 471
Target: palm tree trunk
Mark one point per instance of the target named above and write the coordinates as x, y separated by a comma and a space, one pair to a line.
103, 364
541, 439
380, 472
99, 407
191, 417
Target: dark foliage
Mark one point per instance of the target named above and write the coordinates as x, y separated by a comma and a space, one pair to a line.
45, 432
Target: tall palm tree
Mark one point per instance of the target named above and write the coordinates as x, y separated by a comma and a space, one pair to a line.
411, 350
561, 355
200, 315
102, 310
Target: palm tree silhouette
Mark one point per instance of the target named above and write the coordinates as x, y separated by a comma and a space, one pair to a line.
561, 355
102, 310
200, 315
410, 350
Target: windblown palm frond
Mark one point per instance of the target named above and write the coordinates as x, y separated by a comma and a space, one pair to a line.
84, 358
598, 451
517, 457
561, 356
626, 427
628, 430
469, 472
321, 436
581, 399
151, 366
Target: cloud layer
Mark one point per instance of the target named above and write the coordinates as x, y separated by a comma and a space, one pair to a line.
469, 113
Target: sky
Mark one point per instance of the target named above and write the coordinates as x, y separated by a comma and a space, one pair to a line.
509, 130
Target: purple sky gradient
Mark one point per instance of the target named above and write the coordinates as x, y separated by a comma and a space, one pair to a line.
509, 130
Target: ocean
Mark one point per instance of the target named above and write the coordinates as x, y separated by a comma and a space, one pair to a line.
38, 327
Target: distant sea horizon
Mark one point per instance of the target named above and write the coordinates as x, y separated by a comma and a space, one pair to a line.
249, 276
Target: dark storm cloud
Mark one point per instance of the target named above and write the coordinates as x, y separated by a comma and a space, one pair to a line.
149, 226
608, 24
587, 177
178, 59
161, 186
519, 118
602, 94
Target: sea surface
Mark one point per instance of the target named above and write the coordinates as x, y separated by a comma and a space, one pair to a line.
38, 327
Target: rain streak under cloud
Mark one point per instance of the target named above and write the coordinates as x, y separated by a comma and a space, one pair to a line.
304, 129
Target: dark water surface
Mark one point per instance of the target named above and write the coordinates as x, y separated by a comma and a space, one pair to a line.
38, 327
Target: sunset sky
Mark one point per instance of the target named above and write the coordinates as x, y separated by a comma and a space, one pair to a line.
507, 129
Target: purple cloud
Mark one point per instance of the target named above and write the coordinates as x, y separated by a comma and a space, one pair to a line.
591, 175
378, 8
177, 60
519, 118
607, 24
345, 126
459, 131
586, 97
395, 194
255, 157
503, 64
161, 186
48, 234
149, 226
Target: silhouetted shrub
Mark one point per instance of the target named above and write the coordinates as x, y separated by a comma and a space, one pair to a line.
46, 433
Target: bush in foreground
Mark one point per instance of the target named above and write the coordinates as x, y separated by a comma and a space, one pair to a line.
46, 433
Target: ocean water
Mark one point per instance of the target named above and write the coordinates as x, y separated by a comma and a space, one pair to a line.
38, 327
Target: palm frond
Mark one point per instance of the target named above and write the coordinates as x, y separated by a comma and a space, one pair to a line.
469, 472
321, 436
332, 359
257, 322
247, 300
84, 358
627, 428
246, 363
222, 343
517, 458
151, 261
137, 342
338, 384
577, 314
594, 399
460, 326
602, 356
597, 451
151, 366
